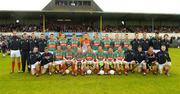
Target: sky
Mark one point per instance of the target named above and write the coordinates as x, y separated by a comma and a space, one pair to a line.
140, 6
127, 6
23, 5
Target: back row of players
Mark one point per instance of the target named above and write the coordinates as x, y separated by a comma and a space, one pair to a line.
99, 55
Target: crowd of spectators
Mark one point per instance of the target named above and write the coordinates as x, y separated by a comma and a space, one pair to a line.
20, 27
63, 27
70, 27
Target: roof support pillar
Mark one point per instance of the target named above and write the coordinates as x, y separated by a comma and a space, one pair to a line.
100, 23
44, 22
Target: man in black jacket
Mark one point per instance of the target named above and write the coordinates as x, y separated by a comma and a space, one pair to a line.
35, 58
42, 43
46, 62
130, 58
24, 45
135, 42
164, 60
141, 60
165, 41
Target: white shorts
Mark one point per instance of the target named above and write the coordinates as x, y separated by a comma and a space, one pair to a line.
46, 66
34, 65
125, 62
94, 51
161, 66
15, 53
90, 62
142, 63
120, 62
51, 52
58, 62
156, 51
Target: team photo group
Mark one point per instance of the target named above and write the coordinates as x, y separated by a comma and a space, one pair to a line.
100, 55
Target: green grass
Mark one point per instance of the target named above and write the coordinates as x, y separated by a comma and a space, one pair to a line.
24, 83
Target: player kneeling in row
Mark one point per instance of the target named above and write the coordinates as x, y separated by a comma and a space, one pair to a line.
109, 65
35, 58
89, 60
46, 62
58, 57
152, 64
69, 62
130, 58
100, 63
164, 60
119, 61
79, 61
141, 60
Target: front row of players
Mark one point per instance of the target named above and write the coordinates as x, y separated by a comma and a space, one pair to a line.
101, 62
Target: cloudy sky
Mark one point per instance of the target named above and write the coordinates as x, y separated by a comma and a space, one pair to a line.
132, 6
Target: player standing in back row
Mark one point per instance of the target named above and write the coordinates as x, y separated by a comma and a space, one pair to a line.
14, 45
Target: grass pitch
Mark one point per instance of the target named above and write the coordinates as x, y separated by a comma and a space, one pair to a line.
134, 83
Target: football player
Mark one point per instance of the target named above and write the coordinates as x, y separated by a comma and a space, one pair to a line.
164, 60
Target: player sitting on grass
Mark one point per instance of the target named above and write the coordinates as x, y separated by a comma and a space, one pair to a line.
46, 62
69, 61
100, 60
141, 60
79, 61
58, 59
164, 60
130, 58
109, 65
35, 58
119, 61
89, 59
152, 64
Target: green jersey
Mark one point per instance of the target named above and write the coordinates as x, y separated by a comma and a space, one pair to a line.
63, 43
79, 56
69, 55
116, 44
52, 45
59, 55
106, 44
95, 44
74, 44
100, 55
126, 43
110, 56
119, 55
89, 56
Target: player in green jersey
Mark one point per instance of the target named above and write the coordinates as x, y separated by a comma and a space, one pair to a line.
106, 43
58, 59
109, 64
89, 58
75, 43
52, 44
126, 42
69, 60
79, 61
95, 43
119, 57
100, 59
63, 42
116, 42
